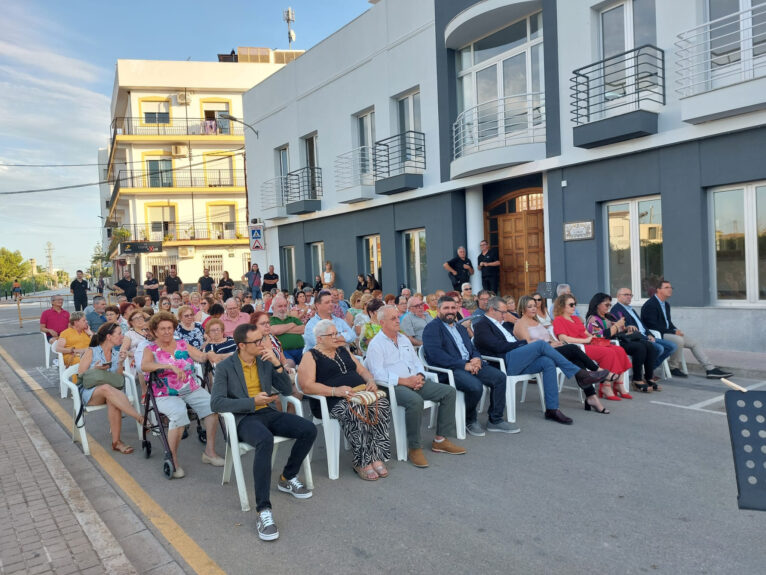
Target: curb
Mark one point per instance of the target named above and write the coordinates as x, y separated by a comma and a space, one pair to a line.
105, 545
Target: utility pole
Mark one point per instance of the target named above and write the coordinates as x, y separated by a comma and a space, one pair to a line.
289, 17
49, 256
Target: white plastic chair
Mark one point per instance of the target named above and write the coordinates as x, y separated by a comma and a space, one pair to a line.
63, 390
399, 419
665, 365
332, 433
235, 449
47, 349
459, 401
510, 387
78, 431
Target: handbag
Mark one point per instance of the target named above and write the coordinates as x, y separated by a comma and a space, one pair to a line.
95, 377
361, 400
628, 337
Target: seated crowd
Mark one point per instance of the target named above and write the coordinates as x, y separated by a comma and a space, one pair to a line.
263, 342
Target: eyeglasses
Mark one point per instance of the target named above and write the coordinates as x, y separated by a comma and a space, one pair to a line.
537, 299
255, 341
608, 304
571, 304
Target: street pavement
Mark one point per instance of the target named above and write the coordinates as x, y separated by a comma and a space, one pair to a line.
647, 488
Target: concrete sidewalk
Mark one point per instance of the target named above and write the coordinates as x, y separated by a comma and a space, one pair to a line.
47, 525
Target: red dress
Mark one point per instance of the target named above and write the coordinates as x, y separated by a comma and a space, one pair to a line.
612, 357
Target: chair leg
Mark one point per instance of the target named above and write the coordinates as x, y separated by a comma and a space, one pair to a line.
307, 475
227, 463
460, 415
510, 400
432, 420
524, 391
666, 370
239, 475
400, 430
541, 390
332, 446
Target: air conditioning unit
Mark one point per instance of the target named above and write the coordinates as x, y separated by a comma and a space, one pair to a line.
179, 151
184, 98
186, 252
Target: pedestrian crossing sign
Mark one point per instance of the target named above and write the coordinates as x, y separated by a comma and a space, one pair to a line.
257, 241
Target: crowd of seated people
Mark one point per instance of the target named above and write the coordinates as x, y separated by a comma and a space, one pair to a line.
260, 339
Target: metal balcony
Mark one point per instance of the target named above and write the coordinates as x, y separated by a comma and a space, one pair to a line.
304, 191
160, 124
721, 66
499, 133
399, 163
180, 232
354, 178
272, 202
618, 98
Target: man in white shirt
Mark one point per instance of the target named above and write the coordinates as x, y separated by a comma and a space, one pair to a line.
324, 305
414, 321
392, 359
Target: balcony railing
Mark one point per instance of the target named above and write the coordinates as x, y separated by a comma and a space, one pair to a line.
722, 52
499, 123
304, 184
273, 193
163, 125
401, 154
180, 178
354, 168
618, 84
177, 232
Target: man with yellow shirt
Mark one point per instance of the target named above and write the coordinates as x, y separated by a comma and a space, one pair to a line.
74, 340
247, 384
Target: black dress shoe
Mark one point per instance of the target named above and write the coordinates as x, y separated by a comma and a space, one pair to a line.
675, 372
556, 415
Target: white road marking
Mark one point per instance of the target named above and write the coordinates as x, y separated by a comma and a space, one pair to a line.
718, 398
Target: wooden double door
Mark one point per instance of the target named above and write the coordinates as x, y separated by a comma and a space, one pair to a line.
520, 238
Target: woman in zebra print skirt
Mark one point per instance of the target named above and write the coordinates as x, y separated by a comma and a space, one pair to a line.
330, 370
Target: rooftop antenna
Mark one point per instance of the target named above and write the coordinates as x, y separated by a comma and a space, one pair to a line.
289, 17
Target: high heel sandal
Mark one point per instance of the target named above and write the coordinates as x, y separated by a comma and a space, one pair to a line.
602, 394
589, 407
642, 387
622, 394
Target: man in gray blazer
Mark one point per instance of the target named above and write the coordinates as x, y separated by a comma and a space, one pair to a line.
247, 384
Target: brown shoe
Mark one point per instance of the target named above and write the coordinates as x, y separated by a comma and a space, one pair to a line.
417, 458
446, 446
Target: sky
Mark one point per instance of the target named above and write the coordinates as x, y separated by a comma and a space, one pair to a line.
57, 63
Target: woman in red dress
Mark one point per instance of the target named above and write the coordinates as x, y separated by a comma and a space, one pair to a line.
570, 329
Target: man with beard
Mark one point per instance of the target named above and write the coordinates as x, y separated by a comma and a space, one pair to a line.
448, 345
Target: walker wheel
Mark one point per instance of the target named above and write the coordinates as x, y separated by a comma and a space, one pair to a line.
147, 447
202, 435
167, 468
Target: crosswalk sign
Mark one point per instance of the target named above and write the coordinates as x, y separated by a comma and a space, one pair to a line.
257, 241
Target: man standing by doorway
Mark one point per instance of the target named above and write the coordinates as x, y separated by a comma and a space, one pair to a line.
79, 289
489, 265
205, 283
126, 285
173, 283
270, 280
459, 268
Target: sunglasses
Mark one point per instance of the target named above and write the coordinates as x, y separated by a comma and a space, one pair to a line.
571, 304
537, 298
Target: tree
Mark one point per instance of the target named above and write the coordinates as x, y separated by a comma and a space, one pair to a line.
12, 265
98, 261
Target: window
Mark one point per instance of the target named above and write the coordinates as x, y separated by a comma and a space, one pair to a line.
737, 40
160, 173
287, 266
634, 231
162, 223
738, 218
219, 170
415, 262
501, 83
223, 221
156, 112
311, 155
408, 109
371, 255
365, 124
213, 262
283, 168
316, 260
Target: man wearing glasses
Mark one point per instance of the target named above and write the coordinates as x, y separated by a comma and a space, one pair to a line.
655, 314
247, 384
324, 306
665, 348
414, 322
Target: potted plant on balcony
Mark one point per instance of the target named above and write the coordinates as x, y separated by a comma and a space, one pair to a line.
190, 232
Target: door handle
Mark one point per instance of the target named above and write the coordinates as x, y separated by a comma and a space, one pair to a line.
526, 266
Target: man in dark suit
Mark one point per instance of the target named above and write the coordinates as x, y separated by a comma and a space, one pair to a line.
655, 314
493, 338
447, 344
665, 348
247, 384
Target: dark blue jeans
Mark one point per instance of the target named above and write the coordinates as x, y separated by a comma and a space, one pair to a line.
295, 354
536, 357
258, 429
472, 386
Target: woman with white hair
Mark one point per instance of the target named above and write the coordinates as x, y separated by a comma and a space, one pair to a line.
331, 371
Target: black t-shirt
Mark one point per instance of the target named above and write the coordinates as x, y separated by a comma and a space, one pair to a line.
79, 288
491, 257
226, 285
206, 283
152, 284
173, 284
129, 287
270, 280
463, 275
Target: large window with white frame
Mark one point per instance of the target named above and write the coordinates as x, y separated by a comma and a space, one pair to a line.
316, 260
500, 82
287, 266
738, 236
415, 261
737, 40
634, 244
371, 254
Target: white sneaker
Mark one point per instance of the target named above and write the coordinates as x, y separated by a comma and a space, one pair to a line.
55, 362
